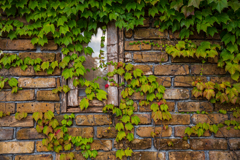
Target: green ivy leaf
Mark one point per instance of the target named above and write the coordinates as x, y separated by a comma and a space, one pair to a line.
84, 103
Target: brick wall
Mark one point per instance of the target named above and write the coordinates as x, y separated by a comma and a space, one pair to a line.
20, 141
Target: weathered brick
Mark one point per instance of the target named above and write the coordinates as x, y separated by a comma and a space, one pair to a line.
146, 131
151, 33
147, 69
194, 106
35, 107
223, 155
105, 145
56, 72
223, 132
21, 45
47, 96
171, 107
171, 70
208, 69
208, 144
135, 144
177, 144
37, 82
40, 147
161, 43
186, 60
136, 47
128, 33
222, 79
187, 155
234, 143
35, 157
128, 57
227, 106
17, 71
10, 121
148, 156
103, 132
108, 155
77, 156
7, 107
6, 134
177, 119
24, 95
57, 107
90, 120
186, 81
210, 118
49, 46
179, 131
165, 81
86, 132
6, 157
144, 118
29, 133
43, 56
176, 94
16, 147
144, 57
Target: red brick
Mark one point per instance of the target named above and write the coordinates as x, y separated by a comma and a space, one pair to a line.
179, 131
47, 96
147, 69
222, 79
161, 43
136, 47
186, 81
7, 107
234, 143
49, 46
227, 106
186, 60
208, 69
171, 107
165, 81
91, 120
17, 71
105, 145
108, 156
187, 155
223, 155
56, 72
35, 157
144, 118
208, 144
7, 44
37, 82
35, 107
77, 156
194, 106
6, 134
146, 131
223, 132
24, 95
29, 133
171, 70
214, 118
145, 57
176, 94
128, 33
177, 144
148, 156
6, 157
40, 147
135, 144
177, 119
43, 56
16, 147
85, 132
142, 33
10, 121
103, 132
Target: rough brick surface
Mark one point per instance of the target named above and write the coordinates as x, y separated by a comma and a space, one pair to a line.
223, 132
35, 157
194, 106
146, 131
208, 144
148, 156
136, 47
47, 96
179, 131
186, 81
223, 155
6, 134
145, 57
176, 94
7, 44
7, 107
29, 133
10, 121
147, 69
135, 144
208, 69
105, 145
35, 107
171, 70
43, 56
177, 119
147, 108
141, 33
16, 147
24, 95
210, 118
37, 82
187, 155
90, 120
177, 144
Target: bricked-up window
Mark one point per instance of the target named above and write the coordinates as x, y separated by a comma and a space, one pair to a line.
72, 99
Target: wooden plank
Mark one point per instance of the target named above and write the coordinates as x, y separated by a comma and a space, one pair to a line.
112, 55
64, 95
